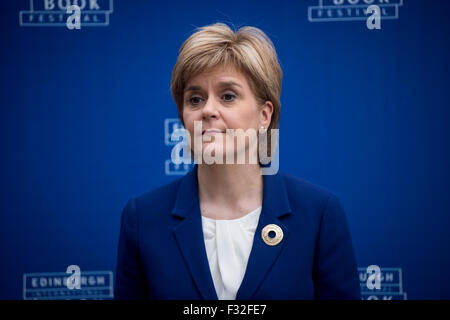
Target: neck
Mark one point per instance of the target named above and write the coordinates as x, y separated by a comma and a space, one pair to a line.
234, 189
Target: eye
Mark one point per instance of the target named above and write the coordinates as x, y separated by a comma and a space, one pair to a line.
229, 97
195, 100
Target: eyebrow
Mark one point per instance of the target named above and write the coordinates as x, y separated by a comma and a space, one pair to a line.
222, 84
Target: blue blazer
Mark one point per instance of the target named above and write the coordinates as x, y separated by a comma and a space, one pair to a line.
162, 255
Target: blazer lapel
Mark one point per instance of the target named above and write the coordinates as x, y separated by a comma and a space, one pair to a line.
189, 235
262, 256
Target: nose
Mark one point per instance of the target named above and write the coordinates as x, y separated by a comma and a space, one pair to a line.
210, 110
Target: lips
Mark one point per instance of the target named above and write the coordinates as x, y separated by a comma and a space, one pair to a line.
212, 131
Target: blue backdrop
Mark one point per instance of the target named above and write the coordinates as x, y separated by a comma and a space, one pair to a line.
84, 117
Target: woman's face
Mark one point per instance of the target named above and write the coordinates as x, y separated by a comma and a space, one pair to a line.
221, 99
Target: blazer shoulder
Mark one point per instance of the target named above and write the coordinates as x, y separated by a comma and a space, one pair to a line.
306, 194
160, 199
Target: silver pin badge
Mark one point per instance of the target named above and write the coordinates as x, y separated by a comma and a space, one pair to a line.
272, 234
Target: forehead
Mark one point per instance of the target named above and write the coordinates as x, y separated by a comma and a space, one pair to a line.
219, 75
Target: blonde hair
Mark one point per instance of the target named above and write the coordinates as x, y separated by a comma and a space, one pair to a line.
249, 50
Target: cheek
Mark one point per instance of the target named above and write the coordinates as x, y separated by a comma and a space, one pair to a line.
188, 119
190, 115
246, 119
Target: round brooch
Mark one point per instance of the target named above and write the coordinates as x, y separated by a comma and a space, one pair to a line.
272, 234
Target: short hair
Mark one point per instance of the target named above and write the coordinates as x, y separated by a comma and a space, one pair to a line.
248, 49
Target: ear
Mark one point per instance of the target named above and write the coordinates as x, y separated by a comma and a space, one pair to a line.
265, 114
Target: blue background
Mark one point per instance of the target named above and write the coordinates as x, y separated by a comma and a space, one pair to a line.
365, 114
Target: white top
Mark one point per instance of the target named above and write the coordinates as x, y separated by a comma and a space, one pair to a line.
228, 245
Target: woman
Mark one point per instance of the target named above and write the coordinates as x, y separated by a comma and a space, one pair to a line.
225, 230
